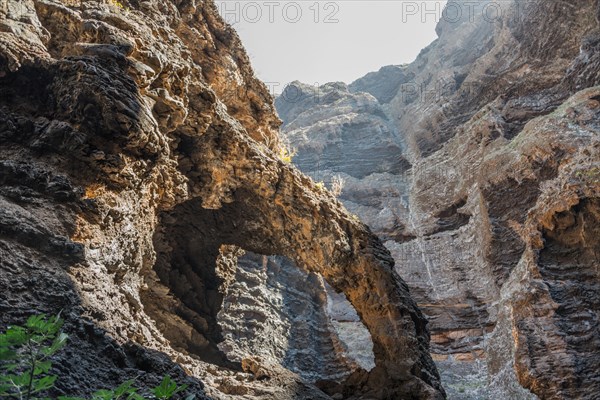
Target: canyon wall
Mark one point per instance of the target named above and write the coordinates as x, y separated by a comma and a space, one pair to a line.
477, 165
139, 166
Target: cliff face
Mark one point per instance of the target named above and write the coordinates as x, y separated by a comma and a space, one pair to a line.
340, 133
138, 163
491, 217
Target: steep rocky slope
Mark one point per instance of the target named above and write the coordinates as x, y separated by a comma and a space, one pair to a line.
478, 166
138, 163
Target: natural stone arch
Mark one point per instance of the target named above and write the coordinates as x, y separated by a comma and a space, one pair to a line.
263, 205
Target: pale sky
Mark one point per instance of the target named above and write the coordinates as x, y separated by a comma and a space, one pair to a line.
324, 41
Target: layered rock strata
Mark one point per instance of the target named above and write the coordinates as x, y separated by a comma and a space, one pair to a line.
495, 124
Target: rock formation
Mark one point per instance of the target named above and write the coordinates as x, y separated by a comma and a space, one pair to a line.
477, 164
138, 161
278, 312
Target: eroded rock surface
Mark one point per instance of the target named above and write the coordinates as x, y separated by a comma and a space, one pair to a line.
278, 312
138, 157
496, 128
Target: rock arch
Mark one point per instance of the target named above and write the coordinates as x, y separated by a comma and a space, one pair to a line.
252, 200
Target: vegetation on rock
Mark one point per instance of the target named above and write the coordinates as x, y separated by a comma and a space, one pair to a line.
26, 364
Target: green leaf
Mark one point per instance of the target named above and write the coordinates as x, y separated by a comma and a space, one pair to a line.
5, 389
124, 391
42, 367
45, 383
7, 354
56, 324
35, 322
14, 336
42, 325
11, 367
20, 380
5, 379
167, 389
59, 342
24, 351
125, 388
103, 395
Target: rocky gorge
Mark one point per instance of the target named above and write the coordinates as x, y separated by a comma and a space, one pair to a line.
477, 165
147, 197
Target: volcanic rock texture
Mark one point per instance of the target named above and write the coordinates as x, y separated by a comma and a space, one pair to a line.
138, 164
478, 165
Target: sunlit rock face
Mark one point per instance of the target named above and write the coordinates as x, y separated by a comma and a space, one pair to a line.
490, 218
140, 182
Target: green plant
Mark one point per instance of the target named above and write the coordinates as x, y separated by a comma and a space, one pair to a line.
25, 353
167, 389
285, 151
117, 4
25, 365
126, 391
286, 155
